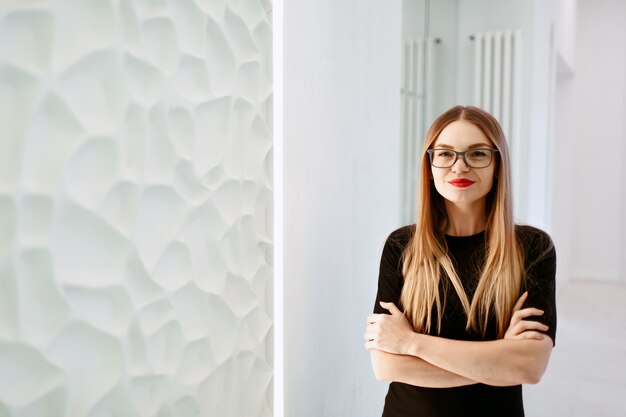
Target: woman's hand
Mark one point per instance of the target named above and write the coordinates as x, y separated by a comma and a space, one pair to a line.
390, 333
525, 329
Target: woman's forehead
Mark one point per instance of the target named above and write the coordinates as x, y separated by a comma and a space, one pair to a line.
462, 134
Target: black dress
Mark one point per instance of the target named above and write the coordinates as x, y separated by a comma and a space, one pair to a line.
467, 254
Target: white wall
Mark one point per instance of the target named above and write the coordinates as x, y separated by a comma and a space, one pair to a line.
565, 30
589, 163
444, 25
565, 192
135, 208
341, 191
562, 190
414, 19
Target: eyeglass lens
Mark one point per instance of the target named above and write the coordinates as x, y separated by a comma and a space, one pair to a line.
475, 158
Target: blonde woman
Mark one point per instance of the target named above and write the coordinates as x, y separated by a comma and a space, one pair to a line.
465, 311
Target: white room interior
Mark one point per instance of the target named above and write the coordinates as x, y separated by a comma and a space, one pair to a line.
564, 102
194, 196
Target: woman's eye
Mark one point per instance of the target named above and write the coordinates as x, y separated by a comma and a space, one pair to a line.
478, 154
444, 154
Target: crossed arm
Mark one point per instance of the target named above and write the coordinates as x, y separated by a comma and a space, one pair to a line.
401, 355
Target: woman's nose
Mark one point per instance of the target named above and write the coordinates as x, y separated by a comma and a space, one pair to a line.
460, 165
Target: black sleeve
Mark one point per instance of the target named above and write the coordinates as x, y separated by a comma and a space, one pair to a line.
390, 279
540, 265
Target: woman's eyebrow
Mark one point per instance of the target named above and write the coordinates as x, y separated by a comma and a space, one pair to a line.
475, 145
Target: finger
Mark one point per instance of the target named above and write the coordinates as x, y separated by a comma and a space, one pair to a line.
391, 307
525, 325
372, 318
367, 331
527, 312
520, 302
532, 325
370, 334
370, 327
531, 335
376, 318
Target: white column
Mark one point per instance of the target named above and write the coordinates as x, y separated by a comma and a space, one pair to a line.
341, 195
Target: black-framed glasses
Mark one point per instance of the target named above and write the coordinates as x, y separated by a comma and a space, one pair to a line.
473, 158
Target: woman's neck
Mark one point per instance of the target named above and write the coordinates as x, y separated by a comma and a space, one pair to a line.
466, 220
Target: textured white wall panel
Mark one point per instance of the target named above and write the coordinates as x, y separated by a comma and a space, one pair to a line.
136, 212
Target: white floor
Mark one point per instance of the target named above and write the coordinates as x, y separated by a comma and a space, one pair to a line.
587, 372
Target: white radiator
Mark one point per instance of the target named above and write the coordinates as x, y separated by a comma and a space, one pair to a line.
418, 80
497, 72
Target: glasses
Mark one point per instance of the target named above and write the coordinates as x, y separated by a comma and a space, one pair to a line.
473, 158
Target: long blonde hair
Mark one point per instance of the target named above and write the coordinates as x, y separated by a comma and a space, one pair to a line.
425, 258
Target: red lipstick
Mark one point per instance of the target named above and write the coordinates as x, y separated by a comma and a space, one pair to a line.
461, 182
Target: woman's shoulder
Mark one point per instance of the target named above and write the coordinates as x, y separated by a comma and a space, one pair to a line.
534, 239
526, 231
399, 238
403, 233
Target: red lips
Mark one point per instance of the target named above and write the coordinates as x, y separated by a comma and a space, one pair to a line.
461, 182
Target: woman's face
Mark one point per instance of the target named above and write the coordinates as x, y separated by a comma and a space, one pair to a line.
461, 184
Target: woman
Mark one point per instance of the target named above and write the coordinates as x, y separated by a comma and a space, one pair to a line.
465, 310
